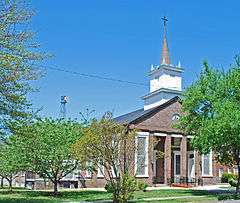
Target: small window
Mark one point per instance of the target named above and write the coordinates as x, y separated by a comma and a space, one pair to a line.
220, 172
207, 164
175, 117
141, 156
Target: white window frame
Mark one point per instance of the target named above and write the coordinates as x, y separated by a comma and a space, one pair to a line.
220, 172
100, 173
88, 174
145, 135
210, 165
235, 170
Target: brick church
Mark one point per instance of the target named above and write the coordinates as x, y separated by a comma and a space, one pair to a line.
179, 164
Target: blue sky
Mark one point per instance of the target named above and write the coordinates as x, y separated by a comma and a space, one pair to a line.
121, 39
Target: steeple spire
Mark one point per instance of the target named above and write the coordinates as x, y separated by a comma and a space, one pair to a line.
165, 59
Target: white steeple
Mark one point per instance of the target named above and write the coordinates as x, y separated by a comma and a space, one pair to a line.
165, 80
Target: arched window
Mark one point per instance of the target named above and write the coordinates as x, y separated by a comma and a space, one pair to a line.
175, 117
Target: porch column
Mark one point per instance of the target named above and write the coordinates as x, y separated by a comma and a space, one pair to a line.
183, 151
167, 158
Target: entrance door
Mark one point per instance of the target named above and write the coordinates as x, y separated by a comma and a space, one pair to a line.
191, 165
177, 164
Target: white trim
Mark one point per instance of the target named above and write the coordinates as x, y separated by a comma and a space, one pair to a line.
142, 133
160, 134
189, 136
210, 165
176, 135
145, 135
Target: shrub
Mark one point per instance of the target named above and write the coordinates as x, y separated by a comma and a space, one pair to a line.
229, 197
227, 176
128, 187
109, 187
123, 189
141, 185
233, 182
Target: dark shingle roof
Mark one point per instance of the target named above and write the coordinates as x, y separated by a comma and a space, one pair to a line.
135, 115
129, 117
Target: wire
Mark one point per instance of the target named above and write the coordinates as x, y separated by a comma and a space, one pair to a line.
93, 76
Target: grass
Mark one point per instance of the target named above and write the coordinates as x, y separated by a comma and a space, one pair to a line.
28, 196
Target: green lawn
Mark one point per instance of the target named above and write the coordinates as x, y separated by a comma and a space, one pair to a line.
28, 196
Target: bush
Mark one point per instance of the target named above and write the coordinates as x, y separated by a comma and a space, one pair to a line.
109, 187
226, 177
233, 182
128, 187
122, 189
229, 197
141, 185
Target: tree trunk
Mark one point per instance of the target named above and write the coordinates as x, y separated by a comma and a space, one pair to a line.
55, 187
238, 179
2, 182
10, 183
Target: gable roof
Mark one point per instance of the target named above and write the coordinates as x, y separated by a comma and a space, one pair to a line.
140, 114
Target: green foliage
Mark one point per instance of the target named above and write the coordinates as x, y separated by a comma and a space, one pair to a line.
141, 185
228, 197
19, 57
11, 162
212, 113
45, 146
111, 145
126, 188
227, 176
233, 182
109, 187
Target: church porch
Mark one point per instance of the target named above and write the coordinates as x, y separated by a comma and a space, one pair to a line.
173, 161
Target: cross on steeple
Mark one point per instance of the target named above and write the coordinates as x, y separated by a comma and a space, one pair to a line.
164, 21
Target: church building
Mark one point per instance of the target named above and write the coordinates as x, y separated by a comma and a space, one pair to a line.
179, 163
164, 155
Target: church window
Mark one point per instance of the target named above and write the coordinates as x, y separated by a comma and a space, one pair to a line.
89, 169
177, 163
175, 117
100, 171
141, 155
207, 164
220, 172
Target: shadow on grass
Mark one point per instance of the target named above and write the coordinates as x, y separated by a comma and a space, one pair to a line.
28, 196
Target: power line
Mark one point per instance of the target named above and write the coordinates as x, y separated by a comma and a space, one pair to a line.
94, 76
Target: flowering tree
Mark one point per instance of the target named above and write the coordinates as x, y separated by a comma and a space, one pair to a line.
110, 147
